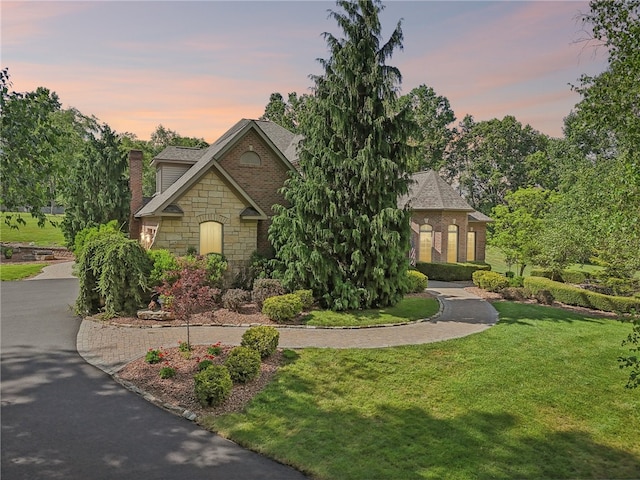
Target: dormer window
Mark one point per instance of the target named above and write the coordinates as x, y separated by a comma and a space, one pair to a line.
250, 158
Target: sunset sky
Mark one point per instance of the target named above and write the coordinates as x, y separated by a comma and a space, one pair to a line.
198, 67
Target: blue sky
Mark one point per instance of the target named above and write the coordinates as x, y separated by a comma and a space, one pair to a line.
198, 67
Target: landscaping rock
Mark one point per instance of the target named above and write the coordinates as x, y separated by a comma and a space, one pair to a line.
158, 315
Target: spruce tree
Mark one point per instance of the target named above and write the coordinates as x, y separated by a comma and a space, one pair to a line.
98, 189
343, 234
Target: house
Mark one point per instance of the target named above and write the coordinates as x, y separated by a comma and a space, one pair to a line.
444, 227
219, 199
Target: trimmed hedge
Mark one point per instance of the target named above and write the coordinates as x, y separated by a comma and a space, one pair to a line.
213, 385
490, 281
282, 308
418, 281
584, 298
243, 364
262, 338
306, 297
566, 276
450, 272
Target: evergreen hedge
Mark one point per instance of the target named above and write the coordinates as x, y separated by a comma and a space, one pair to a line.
450, 272
584, 298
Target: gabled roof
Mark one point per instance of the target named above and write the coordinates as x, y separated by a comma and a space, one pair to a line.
479, 217
276, 136
430, 192
178, 155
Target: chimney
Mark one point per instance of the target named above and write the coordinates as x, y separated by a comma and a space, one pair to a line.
135, 185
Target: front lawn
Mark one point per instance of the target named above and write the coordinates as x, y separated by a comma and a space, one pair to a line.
408, 309
9, 271
539, 395
46, 236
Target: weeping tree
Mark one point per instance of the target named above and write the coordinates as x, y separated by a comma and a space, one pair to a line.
342, 234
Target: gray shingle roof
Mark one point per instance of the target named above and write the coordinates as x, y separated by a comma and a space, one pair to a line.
207, 159
479, 217
430, 192
179, 154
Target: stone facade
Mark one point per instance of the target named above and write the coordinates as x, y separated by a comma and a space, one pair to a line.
210, 199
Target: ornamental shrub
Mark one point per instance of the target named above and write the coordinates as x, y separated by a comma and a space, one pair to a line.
490, 281
234, 298
206, 363
112, 271
264, 288
306, 297
213, 385
262, 338
167, 372
88, 234
418, 281
282, 308
243, 364
164, 266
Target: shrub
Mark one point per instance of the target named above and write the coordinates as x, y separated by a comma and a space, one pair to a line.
264, 288
216, 266
153, 356
206, 363
544, 297
167, 372
262, 338
215, 349
490, 281
213, 385
282, 307
584, 298
514, 293
516, 282
114, 271
164, 266
234, 298
450, 272
243, 364
565, 276
418, 281
306, 297
88, 234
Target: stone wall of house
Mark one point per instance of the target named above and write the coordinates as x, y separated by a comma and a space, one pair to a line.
261, 182
211, 199
440, 221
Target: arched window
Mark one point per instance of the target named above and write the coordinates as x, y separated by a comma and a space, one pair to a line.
471, 246
452, 244
426, 243
210, 238
250, 158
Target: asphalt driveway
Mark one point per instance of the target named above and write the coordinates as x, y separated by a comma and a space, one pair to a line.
65, 419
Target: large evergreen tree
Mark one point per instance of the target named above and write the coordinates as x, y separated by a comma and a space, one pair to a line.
343, 235
98, 189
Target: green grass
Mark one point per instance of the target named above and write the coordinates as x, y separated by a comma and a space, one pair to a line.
539, 395
407, 310
47, 236
20, 271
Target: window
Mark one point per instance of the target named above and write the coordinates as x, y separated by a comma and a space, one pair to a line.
452, 244
471, 246
250, 158
210, 238
426, 243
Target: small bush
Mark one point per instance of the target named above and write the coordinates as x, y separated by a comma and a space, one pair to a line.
282, 308
164, 266
263, 339
153, 356
234, 298
243, 364
204, 364
516, 282
418, 281
167, 372
213, 385
216, 266
514, 293
450, 272
215, 349
490, 281
544, 297
306, 297
264, 288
